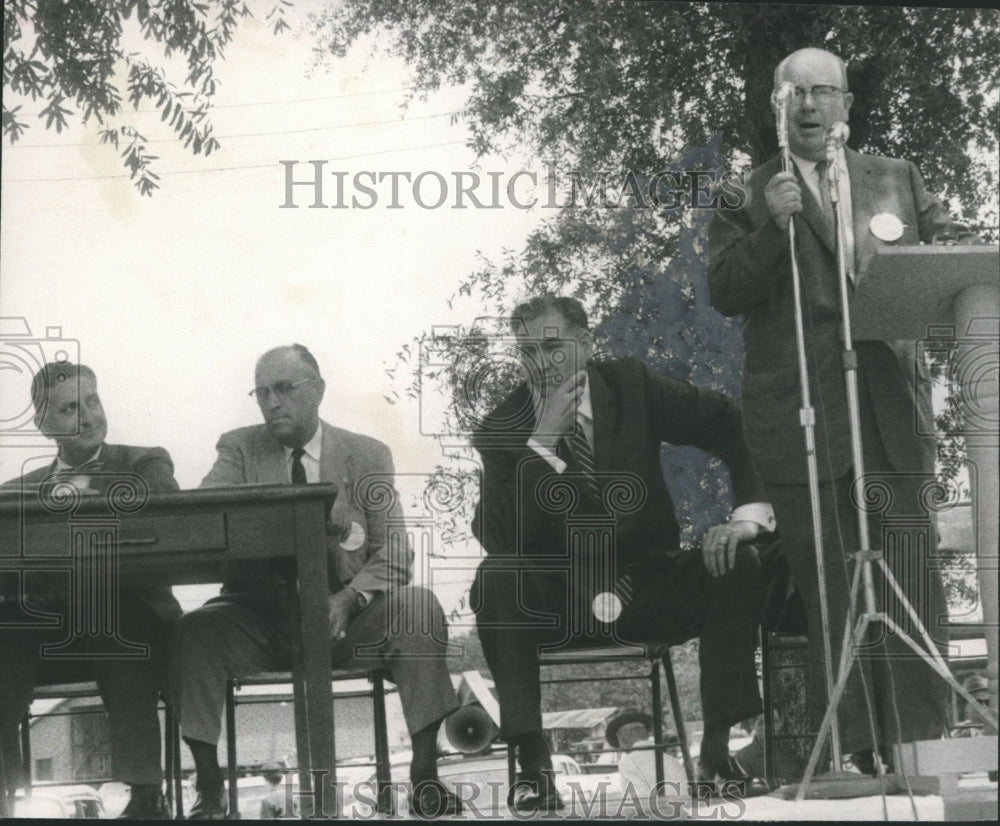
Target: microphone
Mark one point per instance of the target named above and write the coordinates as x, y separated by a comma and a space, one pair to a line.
781, 97
836, 137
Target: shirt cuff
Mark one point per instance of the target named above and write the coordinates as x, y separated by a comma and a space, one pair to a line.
558, 465
760, 513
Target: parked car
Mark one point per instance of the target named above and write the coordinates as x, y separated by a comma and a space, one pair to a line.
480, 780
60, 803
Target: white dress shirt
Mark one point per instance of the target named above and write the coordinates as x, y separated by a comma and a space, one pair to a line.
310, 459
79, 481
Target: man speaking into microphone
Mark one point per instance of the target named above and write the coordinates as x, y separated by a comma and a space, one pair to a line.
882, 201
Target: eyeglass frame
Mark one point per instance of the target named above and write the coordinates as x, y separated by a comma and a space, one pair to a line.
823, 96
264, 392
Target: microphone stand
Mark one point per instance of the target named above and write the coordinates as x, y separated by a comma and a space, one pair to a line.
807, 418
862, 579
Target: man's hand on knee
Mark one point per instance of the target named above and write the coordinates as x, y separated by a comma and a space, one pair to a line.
719, 544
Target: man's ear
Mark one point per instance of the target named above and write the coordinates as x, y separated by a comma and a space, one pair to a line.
320, 390
848, 100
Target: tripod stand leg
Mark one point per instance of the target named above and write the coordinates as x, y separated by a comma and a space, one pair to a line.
933, 658
930, 654
844, 673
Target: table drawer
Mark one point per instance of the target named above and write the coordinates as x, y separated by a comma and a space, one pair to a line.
135, 535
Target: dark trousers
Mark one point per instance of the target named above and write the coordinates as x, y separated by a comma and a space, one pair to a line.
908, 700
130, 689
523, 607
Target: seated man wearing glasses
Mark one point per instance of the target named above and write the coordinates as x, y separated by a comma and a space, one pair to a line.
376, 619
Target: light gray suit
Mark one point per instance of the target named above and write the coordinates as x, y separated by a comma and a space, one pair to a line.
246, 630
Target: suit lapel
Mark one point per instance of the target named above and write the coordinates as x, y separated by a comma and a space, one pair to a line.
274, 463
335, 462
863, 208
602, 405
812, 213
113, 458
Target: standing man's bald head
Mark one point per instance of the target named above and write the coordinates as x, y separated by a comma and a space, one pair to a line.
810, 55
821, 99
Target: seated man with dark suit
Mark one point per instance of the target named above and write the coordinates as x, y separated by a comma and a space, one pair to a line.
69, 411
578, 446
376, 619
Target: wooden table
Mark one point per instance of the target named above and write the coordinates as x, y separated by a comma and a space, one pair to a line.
99, 541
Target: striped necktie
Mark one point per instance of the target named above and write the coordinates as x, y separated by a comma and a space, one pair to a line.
581, 450
584, 455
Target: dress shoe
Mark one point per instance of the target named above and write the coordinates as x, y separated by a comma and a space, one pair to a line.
431, 800
209, 805
145, 803
725, 777
535, 792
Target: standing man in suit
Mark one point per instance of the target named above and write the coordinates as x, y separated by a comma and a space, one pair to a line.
560, 452
376, 619
68, 410
750, 274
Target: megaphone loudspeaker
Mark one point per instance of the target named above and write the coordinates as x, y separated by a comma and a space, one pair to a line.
470, 729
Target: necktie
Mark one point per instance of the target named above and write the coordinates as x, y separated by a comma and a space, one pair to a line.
584, 455
298, 469
824, 190
580, 448
67, 475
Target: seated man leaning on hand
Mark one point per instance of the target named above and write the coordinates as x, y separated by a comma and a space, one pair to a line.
247, 628
566, 451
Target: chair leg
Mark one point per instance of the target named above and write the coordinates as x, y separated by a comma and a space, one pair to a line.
511, 764
168, 757
26, 752
383, 768
234, 798
765, 667
675, 707
660, 746
175, 736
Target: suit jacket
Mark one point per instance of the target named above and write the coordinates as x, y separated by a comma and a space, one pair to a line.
750, 274
634, 412
361, 467
155, 467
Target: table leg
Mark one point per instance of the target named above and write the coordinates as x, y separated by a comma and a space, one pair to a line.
313, 632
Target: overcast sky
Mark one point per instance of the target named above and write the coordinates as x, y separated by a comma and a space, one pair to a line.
171, 298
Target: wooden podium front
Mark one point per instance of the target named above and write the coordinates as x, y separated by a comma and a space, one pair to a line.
946, 294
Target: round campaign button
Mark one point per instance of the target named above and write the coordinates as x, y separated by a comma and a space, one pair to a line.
607, 606
355, 539
886, 227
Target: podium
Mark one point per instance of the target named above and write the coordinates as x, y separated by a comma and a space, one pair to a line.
945, 293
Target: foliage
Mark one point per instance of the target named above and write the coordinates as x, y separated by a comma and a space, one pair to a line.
626, 85
614, 89
74, 53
